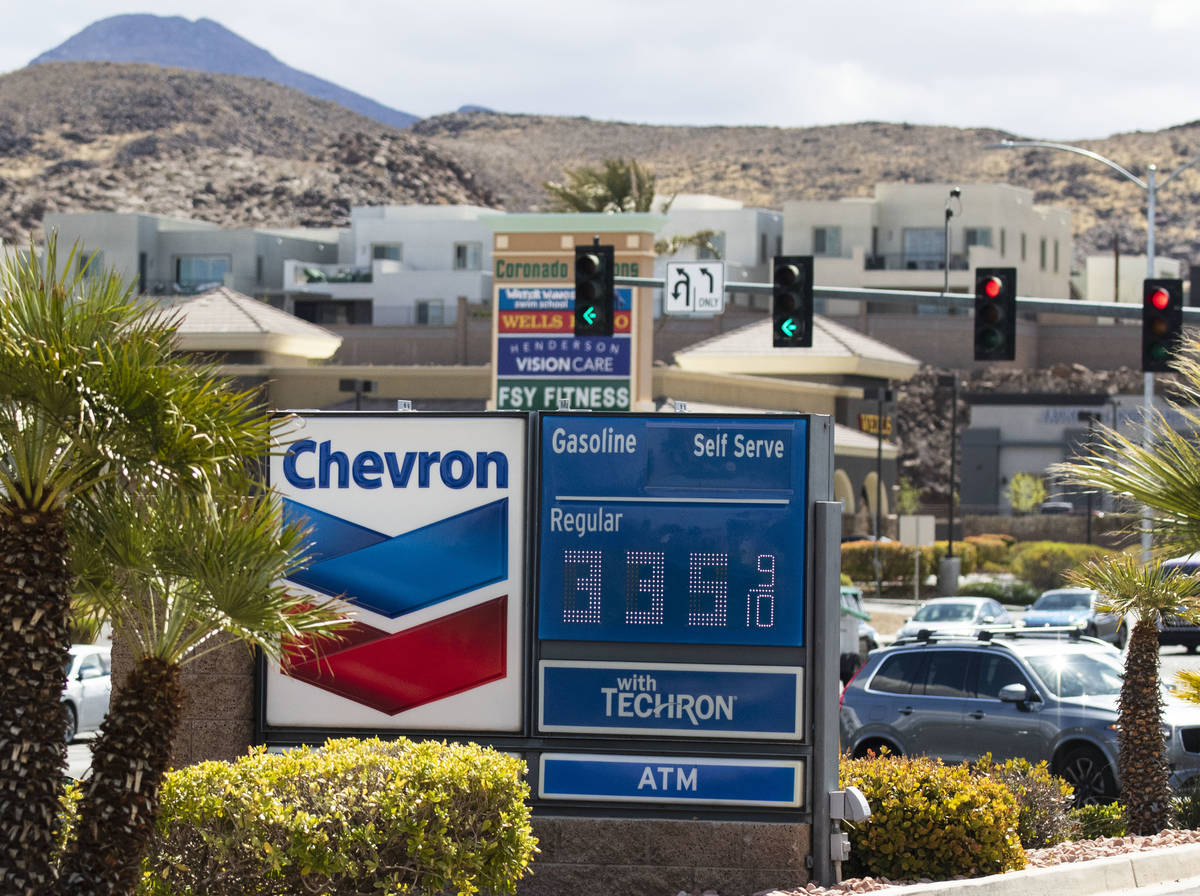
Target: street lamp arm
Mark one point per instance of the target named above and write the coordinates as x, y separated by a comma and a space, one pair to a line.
1184, 167
1014, 144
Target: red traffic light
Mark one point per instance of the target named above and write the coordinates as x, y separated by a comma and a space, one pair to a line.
1160, 298
992, 287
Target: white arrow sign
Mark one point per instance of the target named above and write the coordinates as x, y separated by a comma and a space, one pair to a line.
694, 287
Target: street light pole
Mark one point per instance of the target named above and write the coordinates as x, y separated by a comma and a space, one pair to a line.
955, 193
1150, 186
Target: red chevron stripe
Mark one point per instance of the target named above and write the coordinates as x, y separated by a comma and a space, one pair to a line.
392, 673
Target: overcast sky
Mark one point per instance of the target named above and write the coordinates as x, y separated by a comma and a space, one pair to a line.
1053, 69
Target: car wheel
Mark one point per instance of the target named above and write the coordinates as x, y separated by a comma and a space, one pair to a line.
72, 722
1191, 648
874, 747
1088, 772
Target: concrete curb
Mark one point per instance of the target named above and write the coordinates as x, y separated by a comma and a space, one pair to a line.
1111, 874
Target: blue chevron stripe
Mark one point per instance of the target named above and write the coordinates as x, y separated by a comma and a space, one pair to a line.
414, 569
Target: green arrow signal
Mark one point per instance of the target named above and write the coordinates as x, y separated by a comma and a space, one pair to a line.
590, 315
788, 327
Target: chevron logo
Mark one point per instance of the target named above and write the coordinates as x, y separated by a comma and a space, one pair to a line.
396, 575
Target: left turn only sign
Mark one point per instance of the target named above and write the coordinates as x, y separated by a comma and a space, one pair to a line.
694, 287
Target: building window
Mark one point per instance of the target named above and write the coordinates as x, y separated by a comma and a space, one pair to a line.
978, 236
258, 270
387, 251
91, 264
762, 248
1003, 241
924, 248
468, 256
195, 273
329, 312
1056, 256
827, 241
1022, 247
779, 244
430, 312
1042, 253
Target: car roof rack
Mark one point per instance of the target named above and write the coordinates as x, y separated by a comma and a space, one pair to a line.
1001, 633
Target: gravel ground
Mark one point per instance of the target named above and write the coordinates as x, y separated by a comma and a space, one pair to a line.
1077, 851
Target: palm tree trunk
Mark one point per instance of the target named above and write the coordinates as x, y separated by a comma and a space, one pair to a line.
129, 759
34, 636
1143, 762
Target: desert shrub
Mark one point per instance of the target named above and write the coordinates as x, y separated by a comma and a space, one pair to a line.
1187, 805
1043, 563
1093, 822
1043, 800
1025, 492
931, 820
895, 560
846, 580
404, 816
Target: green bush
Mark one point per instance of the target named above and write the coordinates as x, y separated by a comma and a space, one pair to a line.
967, 553
1187, 805
1043, 563
1006, 592
930, 820
351, 817
1043, 800
897, 561
1098, 821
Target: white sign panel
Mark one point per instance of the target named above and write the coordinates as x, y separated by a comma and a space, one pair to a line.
916, 531
694, 287
418, 522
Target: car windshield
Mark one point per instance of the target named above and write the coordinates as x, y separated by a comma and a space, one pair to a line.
1078, 674
1063, 600
945, 613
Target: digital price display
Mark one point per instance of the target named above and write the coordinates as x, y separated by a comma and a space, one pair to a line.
687, 530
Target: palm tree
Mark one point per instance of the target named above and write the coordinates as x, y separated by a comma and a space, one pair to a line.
1162, 474
89, 389
618, 186
172, 571
1141, 594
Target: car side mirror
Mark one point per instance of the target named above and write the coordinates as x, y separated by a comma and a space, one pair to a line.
90, 672
988, 619
1014, 693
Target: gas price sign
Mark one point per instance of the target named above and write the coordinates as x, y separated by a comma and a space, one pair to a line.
684, 530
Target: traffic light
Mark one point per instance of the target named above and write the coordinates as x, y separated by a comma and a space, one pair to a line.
1162, 320
594, 291
792, 302
995, 314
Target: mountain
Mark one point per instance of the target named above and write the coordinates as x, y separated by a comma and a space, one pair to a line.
204, 45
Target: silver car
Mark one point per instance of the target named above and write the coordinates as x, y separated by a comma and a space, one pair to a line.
1016, 694
87, 687
955, 615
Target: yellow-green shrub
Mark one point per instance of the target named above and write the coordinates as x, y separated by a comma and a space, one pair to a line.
967, 552
930, 820
1043, 563
352, 816
992, 549
895, 560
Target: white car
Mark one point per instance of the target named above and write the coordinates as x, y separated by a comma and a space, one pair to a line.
955, 616
87, 688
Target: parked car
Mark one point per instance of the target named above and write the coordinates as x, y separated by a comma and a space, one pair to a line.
1029, 694
858, 637
955, 615
87, 688
1076, 607
1175, 631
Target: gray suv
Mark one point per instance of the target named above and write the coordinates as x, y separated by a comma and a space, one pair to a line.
1041, 696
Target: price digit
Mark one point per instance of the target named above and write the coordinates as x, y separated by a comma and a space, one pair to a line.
587, 583
644, 574
708, 589
760, 601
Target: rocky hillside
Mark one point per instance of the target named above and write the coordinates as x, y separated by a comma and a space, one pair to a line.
235, 150
97, 136
764, 166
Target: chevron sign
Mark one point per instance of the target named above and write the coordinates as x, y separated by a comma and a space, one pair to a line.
417, 521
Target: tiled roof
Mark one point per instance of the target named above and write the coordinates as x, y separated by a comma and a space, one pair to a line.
222, 319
